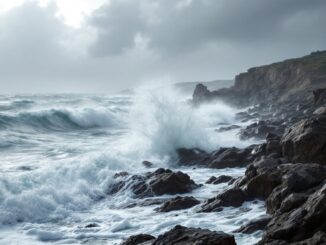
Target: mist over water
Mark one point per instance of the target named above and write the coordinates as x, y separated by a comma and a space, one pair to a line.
59, 154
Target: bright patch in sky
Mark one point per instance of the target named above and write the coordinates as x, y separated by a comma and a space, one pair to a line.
71, 12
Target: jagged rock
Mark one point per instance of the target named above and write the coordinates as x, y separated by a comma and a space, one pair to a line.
147, 164
138, 239
254, 225
178, 203
299, 223
191, 156
229, 157
218, 180
229, 198
260, 130
120, 174
228, 128
160, 182
320, 110
180, 235
305, 141
320, 96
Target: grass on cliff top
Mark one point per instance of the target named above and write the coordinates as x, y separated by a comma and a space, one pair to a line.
316, 62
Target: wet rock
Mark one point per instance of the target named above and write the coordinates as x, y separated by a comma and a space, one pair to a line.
320, 110
168, 182
160, 182
191, 156
260, 130
320, 96
138, 239
121, 174
178, 203
254, 225
147, 164
180, 235
92, 225
229, 158
299, 223
218, 180
228, 128
305, 141
230, 198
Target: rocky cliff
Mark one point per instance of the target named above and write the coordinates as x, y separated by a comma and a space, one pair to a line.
289, 80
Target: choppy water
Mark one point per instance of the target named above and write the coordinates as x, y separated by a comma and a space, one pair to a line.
59, 153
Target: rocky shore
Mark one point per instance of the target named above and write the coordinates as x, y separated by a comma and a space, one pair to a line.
286, 105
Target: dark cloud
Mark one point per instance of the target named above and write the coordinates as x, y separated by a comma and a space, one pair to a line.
128, 42
182, 29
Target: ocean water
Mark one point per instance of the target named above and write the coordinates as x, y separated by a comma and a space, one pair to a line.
59, 154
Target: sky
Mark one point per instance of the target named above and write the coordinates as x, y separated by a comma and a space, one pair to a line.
105, 46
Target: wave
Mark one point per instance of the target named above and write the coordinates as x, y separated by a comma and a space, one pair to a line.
60, 119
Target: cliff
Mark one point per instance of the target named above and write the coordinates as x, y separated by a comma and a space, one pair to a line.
289, 80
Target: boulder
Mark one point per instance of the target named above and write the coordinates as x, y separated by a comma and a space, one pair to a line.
320, 96
178, 203
193, 156
160, 182
233, 197
254, 225
138, 239
218, 180
180, 235
305, 141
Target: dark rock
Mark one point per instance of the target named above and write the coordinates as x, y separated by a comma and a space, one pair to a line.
147, 164
220, 179
180, 235
228, 128
229, 198
229, 157
254, 225
260, 130
121, 174
305, 141
138, 239
299, 223
171, 183
320, 96
92, 225
191, 156
160, 182
178, 203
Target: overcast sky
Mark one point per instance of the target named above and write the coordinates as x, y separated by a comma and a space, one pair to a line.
108, 45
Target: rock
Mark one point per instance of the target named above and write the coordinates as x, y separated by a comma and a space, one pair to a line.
168, 182
320, 96
299, 223
229, 157
220, 179
92, 225
254, 225
229, 198
260, 130
138, 239
180, 235
147, 164
191, 156
121, 174
201, 94
321, 110
305, 141
228, 128
160, 182
178, 203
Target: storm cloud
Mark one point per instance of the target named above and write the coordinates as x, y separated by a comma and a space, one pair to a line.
126, 43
